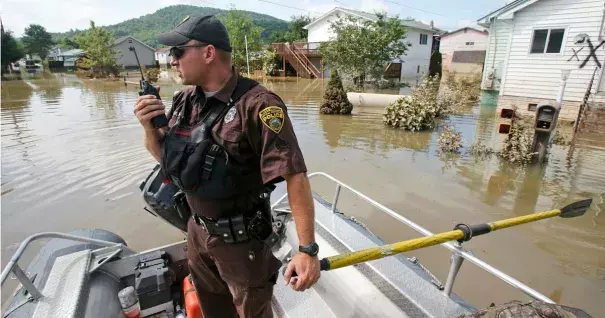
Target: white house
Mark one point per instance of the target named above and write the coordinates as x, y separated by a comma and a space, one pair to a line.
70, 57
419, 35
463, 50
162, 56
532, 41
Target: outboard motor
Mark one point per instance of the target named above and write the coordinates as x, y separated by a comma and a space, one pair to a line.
165, 200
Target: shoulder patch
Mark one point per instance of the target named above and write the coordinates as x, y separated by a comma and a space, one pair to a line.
273, 118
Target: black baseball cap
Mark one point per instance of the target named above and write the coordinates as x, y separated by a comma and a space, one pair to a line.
207, 29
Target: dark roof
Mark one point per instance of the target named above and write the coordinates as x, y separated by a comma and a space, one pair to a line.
475, 57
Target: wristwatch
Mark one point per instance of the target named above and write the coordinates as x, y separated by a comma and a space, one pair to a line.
311, 249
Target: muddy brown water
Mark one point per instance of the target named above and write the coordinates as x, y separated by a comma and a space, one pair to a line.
73, 157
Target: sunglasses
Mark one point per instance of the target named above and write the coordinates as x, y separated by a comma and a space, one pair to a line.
178, 51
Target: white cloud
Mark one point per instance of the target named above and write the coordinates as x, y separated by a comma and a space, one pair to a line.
373, 5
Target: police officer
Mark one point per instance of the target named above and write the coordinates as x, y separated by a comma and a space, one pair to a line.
228, 141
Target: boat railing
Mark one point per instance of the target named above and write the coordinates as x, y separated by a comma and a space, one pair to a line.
458, 253
13, 265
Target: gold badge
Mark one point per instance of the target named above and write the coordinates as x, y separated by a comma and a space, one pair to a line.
273, 118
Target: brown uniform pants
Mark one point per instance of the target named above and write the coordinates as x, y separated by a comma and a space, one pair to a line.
231, 279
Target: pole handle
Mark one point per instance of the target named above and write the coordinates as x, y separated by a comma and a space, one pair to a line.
324, 265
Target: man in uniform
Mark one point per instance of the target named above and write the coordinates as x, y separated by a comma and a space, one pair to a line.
227, 141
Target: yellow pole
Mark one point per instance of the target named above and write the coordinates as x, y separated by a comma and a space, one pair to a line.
374, 253
497, 225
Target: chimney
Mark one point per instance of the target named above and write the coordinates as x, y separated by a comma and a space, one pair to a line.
432, 24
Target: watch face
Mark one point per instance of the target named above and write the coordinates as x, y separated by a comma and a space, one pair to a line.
311, 249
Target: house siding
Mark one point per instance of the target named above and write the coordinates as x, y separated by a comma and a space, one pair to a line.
539, 75
497, 46
457, 42
125, 57
416, 55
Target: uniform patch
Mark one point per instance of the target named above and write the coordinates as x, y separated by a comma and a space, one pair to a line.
230, 115
273, 118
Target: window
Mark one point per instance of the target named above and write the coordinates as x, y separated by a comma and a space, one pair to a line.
470, 43
424, 39
532, 107
547, 41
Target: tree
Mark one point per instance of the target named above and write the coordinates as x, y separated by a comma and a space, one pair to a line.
239, 25
37, 41
69, 44
363, 47
296, 31
335, 98
11, 50
99, 59
435, 64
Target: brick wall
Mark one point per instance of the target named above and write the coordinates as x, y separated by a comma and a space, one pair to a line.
569, 110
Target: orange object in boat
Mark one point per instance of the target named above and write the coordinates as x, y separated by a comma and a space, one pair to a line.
192, 303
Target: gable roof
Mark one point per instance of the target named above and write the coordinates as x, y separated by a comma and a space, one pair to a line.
372, 17
462, 29
124, 38
505, 12
74, 52
162, 50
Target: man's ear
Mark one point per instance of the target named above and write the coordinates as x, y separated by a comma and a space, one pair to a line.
211, 53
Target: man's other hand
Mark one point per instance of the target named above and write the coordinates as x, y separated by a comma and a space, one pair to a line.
307, 269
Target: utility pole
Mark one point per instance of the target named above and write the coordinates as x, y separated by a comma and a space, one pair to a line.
247, 59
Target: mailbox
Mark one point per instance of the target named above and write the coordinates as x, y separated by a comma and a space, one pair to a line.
546, 123
546, 117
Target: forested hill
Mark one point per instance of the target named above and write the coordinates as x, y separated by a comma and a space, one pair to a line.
146, 28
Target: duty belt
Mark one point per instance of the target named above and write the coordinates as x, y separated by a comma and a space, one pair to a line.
240, 228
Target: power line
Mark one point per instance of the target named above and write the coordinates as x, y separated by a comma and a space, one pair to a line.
345, 5
403, 5
287, 6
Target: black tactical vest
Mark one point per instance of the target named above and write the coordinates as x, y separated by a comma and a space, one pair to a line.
197, 165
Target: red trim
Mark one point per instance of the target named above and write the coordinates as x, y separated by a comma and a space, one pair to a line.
183, 133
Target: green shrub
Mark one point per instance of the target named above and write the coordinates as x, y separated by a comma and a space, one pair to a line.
517, 147
450, 140
417, 111
480, 150
335, 98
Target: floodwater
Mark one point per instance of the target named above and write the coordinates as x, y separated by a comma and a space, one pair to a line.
73, 157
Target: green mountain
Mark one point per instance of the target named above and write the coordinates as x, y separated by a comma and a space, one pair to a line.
146, 28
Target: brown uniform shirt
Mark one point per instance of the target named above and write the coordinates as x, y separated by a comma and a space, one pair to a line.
250, 133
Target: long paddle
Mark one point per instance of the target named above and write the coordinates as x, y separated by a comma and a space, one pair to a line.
462, 232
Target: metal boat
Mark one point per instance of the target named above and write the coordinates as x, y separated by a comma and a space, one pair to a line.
79, 274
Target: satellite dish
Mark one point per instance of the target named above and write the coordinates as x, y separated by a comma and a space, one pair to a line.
581, 38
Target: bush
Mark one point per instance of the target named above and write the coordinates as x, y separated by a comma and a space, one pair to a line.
418, 111
151, 74
466, 90
560, 139
335, 98
450, 140
270, 62
480, 150
517, 147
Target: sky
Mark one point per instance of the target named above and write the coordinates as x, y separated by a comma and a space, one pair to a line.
60, 16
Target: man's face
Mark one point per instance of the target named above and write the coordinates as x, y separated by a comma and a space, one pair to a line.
192, 65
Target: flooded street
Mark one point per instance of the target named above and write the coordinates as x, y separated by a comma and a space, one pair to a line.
73, 157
